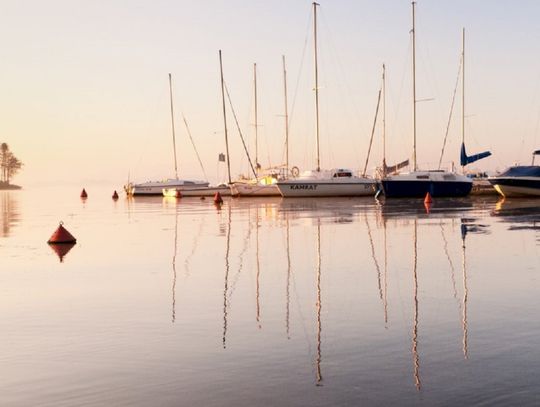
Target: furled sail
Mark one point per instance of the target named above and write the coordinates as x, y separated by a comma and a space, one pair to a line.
394, 168
465, 159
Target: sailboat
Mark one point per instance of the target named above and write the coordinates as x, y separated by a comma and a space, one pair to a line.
318, 183
208, 190
385, 169
156, 187
418, 183
481, 185
261, 185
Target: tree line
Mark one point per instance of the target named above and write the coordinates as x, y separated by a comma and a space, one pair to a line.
9, 164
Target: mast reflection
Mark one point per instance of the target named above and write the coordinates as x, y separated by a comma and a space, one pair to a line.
258, 273
377, 267
465, 293
173, 317
287, 291
319, 306
416, 356
227, 269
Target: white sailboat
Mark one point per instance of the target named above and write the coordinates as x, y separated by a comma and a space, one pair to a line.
263, 184
156, 187
481, 185
319, 183
418, 183
209, 190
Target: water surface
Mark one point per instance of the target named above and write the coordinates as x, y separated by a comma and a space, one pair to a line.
268, 301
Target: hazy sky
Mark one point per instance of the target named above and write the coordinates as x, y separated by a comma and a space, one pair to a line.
84, 87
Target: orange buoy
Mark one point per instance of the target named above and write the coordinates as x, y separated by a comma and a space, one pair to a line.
427, 205
217, 198
61, 236
84, 194
428, 199
115, 195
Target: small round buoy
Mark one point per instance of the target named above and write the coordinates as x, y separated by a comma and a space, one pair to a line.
84, 194
202, 198
217, 198
428, 199
61, 236
115, 195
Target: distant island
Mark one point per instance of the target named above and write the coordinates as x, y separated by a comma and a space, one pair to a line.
4, 185
9, 166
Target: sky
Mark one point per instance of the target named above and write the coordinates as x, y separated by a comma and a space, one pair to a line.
84, 91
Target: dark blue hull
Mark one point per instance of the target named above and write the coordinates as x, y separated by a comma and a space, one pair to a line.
517, 182
413, 188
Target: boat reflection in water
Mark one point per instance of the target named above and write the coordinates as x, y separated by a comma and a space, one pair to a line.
376, 276
396, 238
518, 211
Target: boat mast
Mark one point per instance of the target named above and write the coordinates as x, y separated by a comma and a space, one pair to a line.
225, 118
413, 32
463, 91
172, 124
256, 124
286, 118
316, 82
384, 116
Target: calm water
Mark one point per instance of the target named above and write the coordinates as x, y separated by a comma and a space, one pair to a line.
320, 302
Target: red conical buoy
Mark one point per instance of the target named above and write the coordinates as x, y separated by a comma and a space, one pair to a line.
217, 198
428, 199
61, 236
115, 195
84, 194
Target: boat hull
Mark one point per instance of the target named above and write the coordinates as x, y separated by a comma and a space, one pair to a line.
417, 184
244, 189
517, 186
156, 188
306, 188
197, 192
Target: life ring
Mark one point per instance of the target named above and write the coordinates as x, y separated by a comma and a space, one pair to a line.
295, 171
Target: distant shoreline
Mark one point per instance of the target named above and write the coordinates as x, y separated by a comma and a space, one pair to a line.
6, 186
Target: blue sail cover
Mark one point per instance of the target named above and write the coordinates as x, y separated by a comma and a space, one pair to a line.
522, 171
464, 159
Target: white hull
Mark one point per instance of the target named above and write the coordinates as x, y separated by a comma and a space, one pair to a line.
157, 187
245, 189
509, 190
205, 191
327, 187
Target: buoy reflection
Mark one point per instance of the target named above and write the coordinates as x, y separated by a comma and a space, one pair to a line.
61, 249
